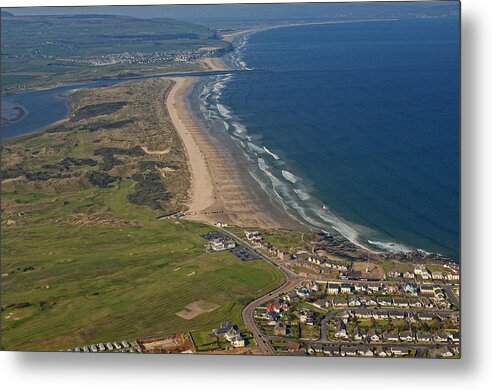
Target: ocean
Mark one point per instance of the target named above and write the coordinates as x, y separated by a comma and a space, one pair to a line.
352, 128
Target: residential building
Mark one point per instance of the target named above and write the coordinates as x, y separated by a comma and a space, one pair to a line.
332, 288
252, 236
427, 290
390, 336
437, 275
280, 329
398, 351
441, 337
406, 336
423, 337
362, 313
453, 276
384, 301
400, 301
283, 255
394, 274
354, 302
380, 314
221, 244
224, 327
408, 275
372, 336
345, 288
303, 292
365, 351
425, 316
396, 314
341, 330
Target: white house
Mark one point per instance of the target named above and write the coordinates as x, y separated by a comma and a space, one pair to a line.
389, 336
365, 351
303, 292
252, 236
406, 336
372, 336
437, 275
397, 351
341, 330
354, 302
423, 337
441, 337
453, 276
346, 289
332, 288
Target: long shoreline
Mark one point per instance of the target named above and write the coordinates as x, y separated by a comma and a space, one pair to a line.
219, 191
231, 36
357, 241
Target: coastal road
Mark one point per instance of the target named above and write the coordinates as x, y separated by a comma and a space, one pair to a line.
248, 313
292, 281
323, 331
451, 295
288, 273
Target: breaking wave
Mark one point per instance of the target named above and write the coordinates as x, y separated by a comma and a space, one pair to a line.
224, 111
282, 186
290, 177
275, 156
303, 195
390, 246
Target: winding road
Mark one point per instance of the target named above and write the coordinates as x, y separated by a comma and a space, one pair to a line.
249, 312
292, 280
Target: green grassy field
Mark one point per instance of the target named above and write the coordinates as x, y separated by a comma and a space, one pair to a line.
396, 266
99, 284
81, 263
282, 239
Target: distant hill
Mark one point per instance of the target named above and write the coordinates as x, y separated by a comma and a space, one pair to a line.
240, 15
79, 35
46, 49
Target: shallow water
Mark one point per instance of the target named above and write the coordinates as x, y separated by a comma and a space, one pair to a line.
47, 106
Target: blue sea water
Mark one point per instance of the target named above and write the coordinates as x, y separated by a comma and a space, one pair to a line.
353, 127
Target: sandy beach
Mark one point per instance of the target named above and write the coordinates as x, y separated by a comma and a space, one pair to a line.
231, 36
214, 63
219, 191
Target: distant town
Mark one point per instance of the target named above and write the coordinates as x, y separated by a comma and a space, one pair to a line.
142, 58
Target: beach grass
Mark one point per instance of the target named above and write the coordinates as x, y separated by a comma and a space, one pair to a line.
81, 263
